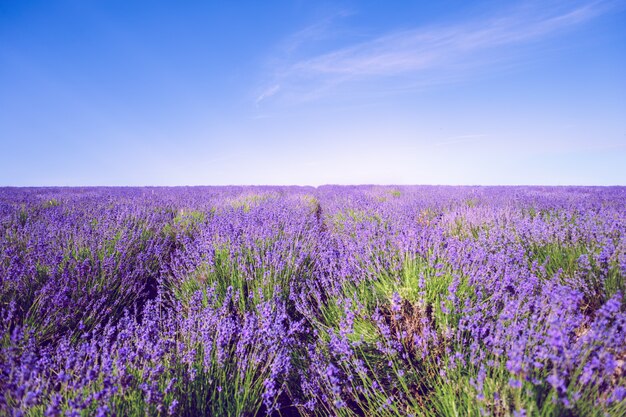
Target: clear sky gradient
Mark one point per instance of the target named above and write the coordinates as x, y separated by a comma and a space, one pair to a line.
312, 92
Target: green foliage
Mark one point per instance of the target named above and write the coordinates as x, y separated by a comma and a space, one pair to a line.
247, 202
53, 202
22, 216
184, 223
402, 303
558, 257
598, 282
240, 271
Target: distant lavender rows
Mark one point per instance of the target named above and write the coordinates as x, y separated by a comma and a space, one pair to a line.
347, 301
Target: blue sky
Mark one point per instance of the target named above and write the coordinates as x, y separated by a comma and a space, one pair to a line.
295, 92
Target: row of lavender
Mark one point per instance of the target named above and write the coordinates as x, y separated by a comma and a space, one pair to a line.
348, 301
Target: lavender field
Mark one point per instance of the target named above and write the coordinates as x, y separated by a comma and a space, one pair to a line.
302, 301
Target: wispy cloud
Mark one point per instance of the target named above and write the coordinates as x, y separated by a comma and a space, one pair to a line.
448, 50
321, 30
268, 92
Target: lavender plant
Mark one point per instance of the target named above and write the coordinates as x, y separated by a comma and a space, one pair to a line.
335, 301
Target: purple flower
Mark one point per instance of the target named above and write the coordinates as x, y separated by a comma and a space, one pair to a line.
396, 302
172, 408
102, 411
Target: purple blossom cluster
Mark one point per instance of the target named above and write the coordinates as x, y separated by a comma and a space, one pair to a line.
330, 301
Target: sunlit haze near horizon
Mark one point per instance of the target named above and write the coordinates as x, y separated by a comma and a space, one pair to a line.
310, 93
